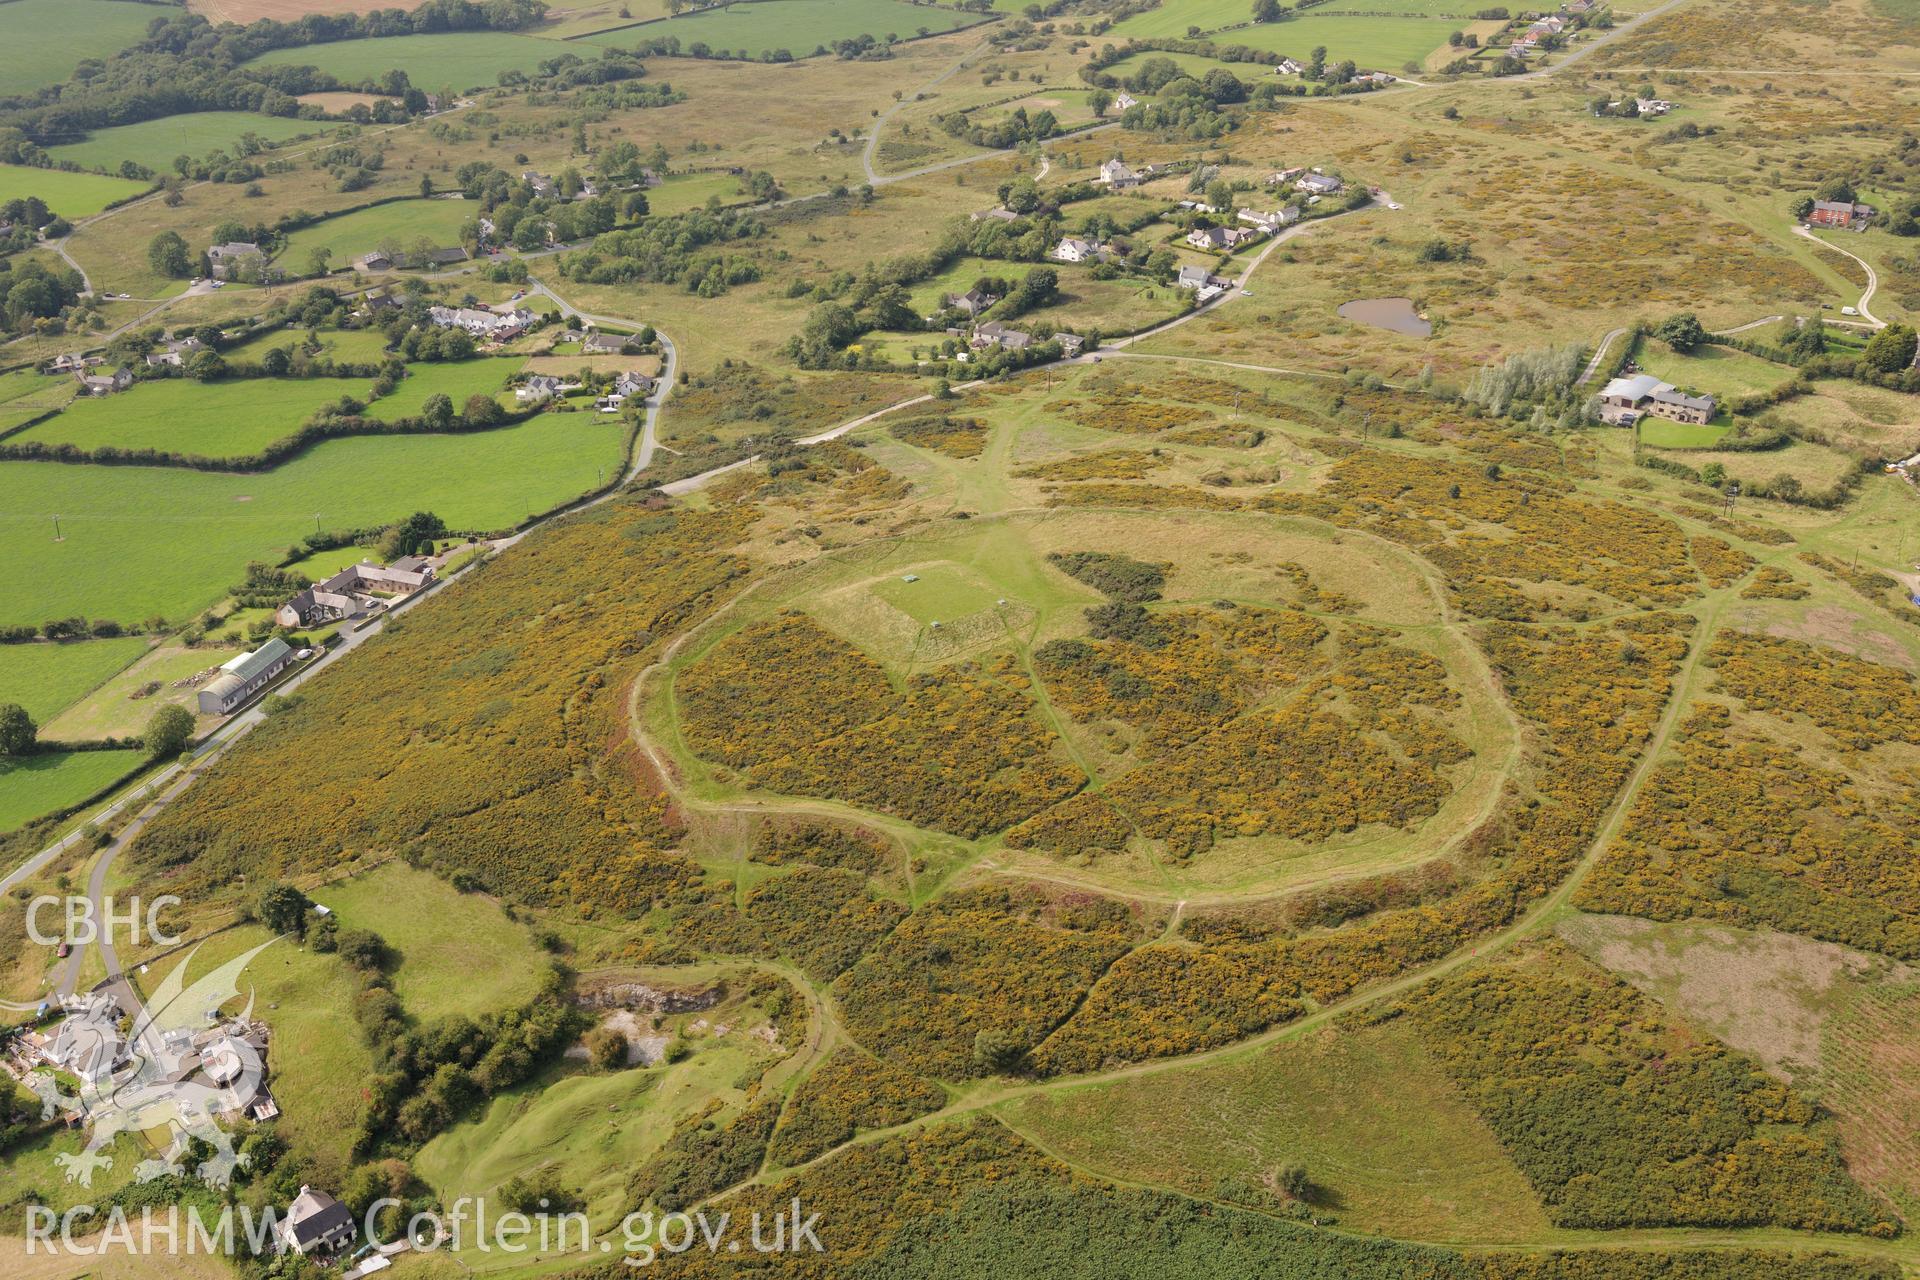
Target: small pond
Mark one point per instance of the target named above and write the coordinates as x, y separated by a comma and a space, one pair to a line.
1396, 314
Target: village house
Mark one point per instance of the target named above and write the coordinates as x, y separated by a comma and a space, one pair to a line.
538, 388
176, 352
354, 591
995, 334
242, 677
105, 384
1074, 249
999, 213
225, 260
1122, 100
1270, 221
606, 344
1219, 239
1626, 399
1839, 213
1116, 174
1318, 184
1071, 344
1288, 67
316, 1223
973, 301
542, 185
72, 363
625, 387
159, 358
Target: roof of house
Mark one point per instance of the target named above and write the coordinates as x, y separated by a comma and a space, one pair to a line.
1195, 275
1837, 206
314, 1214
1634, 387
613, 342
1667, 395
250, 666
234, 249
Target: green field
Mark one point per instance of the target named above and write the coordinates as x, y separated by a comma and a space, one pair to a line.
110, 711
397, 226
336, 344
1379, 44
1662, 434
147, 540
798, 26
46, 39
53, 780
944, 592
458, 381
1716, 371
26, 394
458, 952
71, 195
48, 678
682, 192
455, 60
155, 143
216, 420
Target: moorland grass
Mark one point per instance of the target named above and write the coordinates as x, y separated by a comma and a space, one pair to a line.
155, 143
46, 678
798, 26
71, 195
453, 60
31, 786
456, 952
46, 39
147, 540
1379, 1128
399, 225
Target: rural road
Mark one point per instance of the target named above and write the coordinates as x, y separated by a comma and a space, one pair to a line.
1742, 328
1873, 277
880, 121
152, 797
1599, 354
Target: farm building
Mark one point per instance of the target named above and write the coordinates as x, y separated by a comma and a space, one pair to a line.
242, 677
354, 591
103, 384
1625, 399
223, 260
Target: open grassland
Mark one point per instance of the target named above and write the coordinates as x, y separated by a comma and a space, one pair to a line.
570, 18
1387, 1140
52, 780
46, 678
1664, 434
146, 540
590, 1131
46, 39
798, 26
451, 60
456, 953
112, 711
684, 191
71, 195
1174, 19
155, 143
353, 345
396, 227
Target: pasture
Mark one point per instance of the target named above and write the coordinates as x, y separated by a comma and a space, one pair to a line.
798, 26
1176, 19
216, 420
163, 540
457, 952
1376, 43
36, 785
111, 711
396, 228
155, 143
1717, 371
71, 195
451, 60
26, 394
47, 678
46, 39
335, 344
569, 18
684, 191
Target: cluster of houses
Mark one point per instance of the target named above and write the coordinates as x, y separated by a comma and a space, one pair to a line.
542, 387
1844, 214
1627, 399
1311, 183
1119, 176
86, 369
355, 591
484, 325
175, 354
